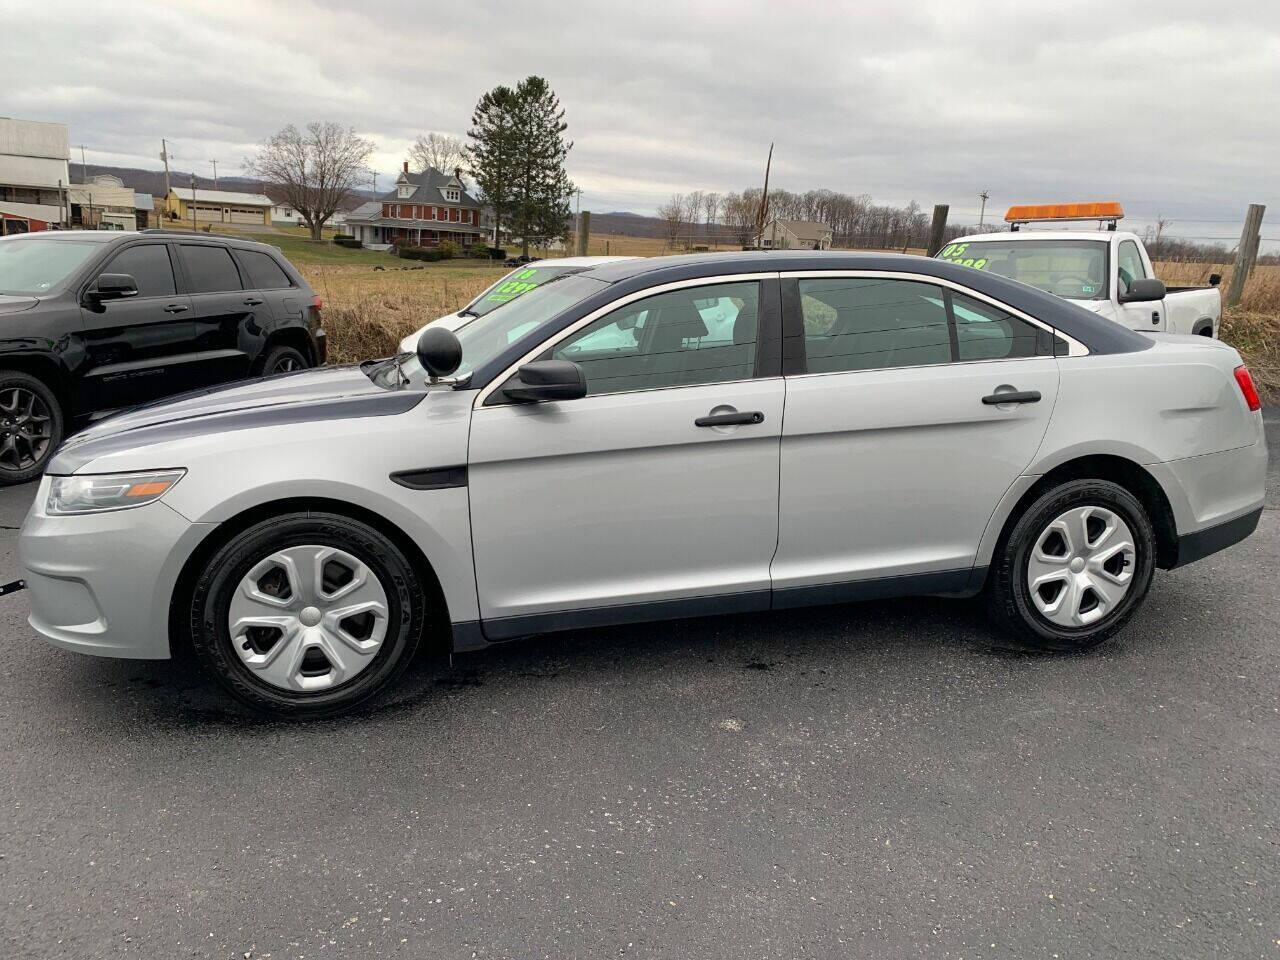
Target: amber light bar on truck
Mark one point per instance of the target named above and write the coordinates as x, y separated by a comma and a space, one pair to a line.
1108, 211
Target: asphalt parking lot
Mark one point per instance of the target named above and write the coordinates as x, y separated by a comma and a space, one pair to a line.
865, 781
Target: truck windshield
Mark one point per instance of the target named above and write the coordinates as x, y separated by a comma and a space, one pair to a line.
34, 268
484, 339
515, 284
1074, 269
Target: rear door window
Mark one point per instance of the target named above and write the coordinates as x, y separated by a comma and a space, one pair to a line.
150, 267
209, 268
264, 272
870, 323
984, 332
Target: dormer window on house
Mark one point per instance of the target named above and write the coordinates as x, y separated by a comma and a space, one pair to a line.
404, 190
453, 194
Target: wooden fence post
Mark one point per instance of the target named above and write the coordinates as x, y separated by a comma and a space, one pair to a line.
1246, 253
937, 228
584, 232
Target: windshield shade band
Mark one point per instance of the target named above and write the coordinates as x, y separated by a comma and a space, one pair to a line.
71, 458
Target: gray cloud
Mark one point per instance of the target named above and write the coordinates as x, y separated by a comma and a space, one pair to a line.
1168, 105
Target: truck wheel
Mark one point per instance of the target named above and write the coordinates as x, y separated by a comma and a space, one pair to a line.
1074, 568
30, 426
283, 359
307, 615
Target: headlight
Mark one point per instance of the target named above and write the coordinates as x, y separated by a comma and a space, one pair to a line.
95, 493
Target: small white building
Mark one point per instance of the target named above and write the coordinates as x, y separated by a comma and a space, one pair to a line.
104, 203
283, 215
794, 235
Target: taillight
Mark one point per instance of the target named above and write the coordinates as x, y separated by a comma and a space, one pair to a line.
1247, 388
317, 303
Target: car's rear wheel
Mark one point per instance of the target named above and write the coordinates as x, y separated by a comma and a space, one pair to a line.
307, 614
30, 426
1075, 567
283, 360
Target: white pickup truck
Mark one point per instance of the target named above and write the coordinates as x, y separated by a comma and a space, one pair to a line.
1106, 271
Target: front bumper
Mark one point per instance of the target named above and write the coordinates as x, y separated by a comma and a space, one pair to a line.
101, 583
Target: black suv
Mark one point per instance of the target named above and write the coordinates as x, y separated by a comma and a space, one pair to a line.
94, 321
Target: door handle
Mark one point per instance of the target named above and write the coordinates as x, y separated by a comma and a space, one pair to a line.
1012, 396
729, 419
176, 308
252, 301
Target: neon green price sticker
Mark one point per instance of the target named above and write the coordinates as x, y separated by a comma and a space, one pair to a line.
519, 284
955, 253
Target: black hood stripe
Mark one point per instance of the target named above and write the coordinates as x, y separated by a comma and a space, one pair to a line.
74, 455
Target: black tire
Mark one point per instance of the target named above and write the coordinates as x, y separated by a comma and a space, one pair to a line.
1009, 602
283, 359
211, 600
31, 426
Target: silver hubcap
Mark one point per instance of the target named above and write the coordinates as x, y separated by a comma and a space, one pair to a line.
308, 618
1081, 566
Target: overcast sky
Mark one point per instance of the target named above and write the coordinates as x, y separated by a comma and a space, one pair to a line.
1168, 106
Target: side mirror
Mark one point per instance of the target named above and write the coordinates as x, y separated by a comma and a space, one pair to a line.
439, 352
114, 286
1215, 279
544, 380
1144, 290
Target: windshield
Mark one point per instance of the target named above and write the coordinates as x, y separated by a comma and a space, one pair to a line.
35, 267
489, 336
1074, 269
515, 284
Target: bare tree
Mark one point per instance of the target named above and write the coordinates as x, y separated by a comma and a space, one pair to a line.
315, 170
438, 150
673, 214
711, 212
693, 211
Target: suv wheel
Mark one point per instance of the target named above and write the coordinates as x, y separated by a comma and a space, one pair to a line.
30, 426
1075, 567
283, 360
307, 615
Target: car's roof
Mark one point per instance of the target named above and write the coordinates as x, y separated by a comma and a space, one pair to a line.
1025, 234
107, 236
578, 261
97, 236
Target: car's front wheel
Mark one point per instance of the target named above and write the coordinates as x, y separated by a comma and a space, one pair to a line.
31, 426
1075, 567
307, 615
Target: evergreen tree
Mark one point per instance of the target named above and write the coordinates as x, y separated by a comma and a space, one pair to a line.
517, 154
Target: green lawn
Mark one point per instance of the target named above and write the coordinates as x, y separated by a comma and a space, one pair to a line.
297, 245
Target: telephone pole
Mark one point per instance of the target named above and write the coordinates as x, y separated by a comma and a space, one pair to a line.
215, 173
982, 214
84, 177
164, 155
193, 203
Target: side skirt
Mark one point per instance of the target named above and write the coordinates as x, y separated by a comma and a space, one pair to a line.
474, 635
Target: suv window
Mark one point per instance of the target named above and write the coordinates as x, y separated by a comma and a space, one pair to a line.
264, 272
984, 332
1129, 266
872, 322
677, 339
150, 267
209, 269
